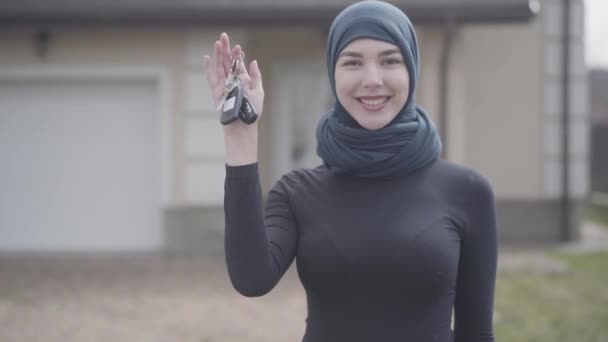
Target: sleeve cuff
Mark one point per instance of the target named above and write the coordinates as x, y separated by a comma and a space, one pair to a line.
242, 171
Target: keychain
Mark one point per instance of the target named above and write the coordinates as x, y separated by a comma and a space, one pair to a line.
234, 104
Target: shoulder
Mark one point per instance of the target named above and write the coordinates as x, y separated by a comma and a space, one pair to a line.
305, 175
298, 180
300, 187
470, 196
463, 181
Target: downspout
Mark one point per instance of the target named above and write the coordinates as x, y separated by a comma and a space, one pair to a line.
566, 204
444, 69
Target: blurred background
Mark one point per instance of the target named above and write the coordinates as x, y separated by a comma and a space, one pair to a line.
112, 158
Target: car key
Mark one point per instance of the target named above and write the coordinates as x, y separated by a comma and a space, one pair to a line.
232, 105
247, 114
231, 81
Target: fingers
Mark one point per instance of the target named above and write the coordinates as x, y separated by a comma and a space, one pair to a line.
226, 53
218, 59
256, 76
241, 70
236, 53
210, 74
220, 68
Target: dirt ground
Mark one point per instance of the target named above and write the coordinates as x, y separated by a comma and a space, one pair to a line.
157, 298
140, 298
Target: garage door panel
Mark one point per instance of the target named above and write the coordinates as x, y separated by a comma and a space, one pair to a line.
81, 165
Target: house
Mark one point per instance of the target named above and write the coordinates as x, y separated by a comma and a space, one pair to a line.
109, 140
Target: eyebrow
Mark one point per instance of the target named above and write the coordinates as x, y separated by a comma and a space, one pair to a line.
360, 55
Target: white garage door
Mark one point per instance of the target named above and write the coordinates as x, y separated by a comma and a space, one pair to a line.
80, 166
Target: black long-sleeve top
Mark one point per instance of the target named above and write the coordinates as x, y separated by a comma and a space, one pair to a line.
379, 259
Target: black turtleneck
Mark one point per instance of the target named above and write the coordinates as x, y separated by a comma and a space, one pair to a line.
379, 259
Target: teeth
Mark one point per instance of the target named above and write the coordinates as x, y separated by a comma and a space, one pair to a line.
373, 102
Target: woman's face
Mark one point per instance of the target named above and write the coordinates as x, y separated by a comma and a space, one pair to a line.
372, 82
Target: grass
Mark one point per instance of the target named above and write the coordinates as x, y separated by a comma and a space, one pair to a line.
568, 307
597, 214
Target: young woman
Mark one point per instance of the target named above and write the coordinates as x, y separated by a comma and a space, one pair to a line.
388, 237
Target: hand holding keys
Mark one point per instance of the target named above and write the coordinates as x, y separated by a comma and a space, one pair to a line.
238, 93
234, 104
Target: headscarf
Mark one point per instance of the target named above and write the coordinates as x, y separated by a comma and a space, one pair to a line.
410, 141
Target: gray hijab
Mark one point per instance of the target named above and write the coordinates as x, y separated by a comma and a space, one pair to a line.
410, 141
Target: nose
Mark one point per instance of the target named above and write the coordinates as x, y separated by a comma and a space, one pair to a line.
372, 78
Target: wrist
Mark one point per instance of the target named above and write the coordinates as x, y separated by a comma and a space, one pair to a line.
241, 143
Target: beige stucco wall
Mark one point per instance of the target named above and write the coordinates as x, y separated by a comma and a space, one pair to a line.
431, 43
497, 97
502, 79
276, 49
494, 104
177, 51
494, 101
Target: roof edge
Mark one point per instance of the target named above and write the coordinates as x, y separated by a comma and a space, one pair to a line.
259, 16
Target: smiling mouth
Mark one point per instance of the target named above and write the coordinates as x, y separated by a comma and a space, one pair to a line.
373, 103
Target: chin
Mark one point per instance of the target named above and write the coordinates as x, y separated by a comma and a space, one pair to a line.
372, 126
373, 123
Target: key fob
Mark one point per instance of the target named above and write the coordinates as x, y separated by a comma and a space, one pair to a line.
247, 114
232, 106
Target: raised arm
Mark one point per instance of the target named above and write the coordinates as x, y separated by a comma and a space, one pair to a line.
260, 243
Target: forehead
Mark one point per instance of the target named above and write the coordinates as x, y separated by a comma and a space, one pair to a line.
368, 46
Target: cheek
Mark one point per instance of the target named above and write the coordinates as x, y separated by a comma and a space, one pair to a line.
344, 81
344, 85
401, 86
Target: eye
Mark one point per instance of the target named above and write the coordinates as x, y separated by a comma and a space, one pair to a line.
351, 62
392, 61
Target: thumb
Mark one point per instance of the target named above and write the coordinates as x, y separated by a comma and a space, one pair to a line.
256, 76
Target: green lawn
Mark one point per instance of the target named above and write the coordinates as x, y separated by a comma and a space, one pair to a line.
597, 214
568, 307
